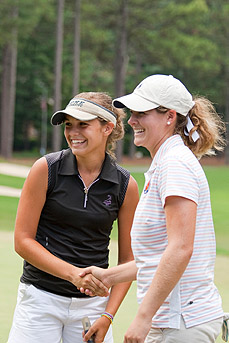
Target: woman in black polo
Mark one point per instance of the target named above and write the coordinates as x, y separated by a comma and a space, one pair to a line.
65, 215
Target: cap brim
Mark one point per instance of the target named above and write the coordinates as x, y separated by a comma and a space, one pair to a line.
134, 102
59, 116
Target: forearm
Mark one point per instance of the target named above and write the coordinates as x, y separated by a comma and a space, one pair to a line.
117, 294
34, 253
38, 256
125, 272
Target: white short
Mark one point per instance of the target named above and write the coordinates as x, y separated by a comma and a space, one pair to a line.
43, 317
204, 333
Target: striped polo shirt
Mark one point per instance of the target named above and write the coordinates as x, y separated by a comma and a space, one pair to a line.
175, 171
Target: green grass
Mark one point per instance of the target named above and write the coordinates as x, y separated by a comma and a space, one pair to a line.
11, 269
8, 209
11, 181
218, 178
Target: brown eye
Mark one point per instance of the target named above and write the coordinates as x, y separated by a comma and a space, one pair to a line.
83, 124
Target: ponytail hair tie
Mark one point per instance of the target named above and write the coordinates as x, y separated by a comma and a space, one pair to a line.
188, 128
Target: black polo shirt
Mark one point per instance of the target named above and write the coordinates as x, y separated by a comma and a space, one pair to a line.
75, 222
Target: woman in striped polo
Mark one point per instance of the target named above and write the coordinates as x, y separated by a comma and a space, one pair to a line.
173, 237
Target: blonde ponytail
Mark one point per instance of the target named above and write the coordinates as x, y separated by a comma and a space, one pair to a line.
208, 124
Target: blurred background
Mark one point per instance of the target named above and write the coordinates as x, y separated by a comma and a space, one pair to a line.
52, 49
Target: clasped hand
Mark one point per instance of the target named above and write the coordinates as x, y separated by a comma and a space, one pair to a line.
94, 282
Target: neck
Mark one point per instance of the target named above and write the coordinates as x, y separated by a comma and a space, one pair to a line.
90, 168
154, 149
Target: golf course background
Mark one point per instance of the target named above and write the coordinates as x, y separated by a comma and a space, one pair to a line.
11, 263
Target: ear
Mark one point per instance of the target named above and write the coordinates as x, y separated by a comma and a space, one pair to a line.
108, 128
171, 116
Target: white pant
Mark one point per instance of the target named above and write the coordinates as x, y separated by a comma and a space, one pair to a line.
203, 333
43, 317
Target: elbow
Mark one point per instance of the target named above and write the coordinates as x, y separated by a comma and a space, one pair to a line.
186, 252
183, 252
19, 247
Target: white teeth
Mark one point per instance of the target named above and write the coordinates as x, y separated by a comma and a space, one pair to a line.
138, 131
77, 141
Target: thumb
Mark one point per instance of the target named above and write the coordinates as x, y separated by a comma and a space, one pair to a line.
86, 271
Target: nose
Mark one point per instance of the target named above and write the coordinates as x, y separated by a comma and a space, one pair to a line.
132, 119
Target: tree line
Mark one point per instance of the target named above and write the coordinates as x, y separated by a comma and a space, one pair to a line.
52, 49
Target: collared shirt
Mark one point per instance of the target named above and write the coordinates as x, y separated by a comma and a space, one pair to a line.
175, 171
76, 221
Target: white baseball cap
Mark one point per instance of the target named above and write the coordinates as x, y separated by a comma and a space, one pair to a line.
84, 110
157, 90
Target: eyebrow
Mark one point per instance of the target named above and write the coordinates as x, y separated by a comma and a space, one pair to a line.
138, 112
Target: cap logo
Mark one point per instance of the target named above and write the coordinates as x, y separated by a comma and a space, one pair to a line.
78, 103
83, 109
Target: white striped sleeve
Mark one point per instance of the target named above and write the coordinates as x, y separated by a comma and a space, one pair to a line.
177, 178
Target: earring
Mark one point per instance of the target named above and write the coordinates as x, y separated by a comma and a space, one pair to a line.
168, 122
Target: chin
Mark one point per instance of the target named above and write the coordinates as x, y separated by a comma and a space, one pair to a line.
137, 142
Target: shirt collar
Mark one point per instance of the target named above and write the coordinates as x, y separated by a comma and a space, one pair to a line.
68, 166
170, 142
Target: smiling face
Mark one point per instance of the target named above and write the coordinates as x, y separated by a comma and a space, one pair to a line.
151, 128
86, 138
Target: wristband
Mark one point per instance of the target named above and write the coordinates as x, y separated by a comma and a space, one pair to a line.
108, 316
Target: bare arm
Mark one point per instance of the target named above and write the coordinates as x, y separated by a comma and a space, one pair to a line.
125, 256
180, 221
28, 214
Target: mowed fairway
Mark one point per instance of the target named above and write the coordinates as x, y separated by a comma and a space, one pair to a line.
11, 263
11, 268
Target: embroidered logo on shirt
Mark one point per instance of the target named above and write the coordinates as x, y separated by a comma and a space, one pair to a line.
107, 202
146, 189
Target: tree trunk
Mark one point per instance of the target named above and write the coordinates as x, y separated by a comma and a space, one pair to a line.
9, 67
44, 116
227, 94
76, 55
132, 148
227, 116
57, 133
121, 62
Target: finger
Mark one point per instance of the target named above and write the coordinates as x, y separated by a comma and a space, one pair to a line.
99, 284
96, 287
89, 292
89, 334
93, 293
82, 290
